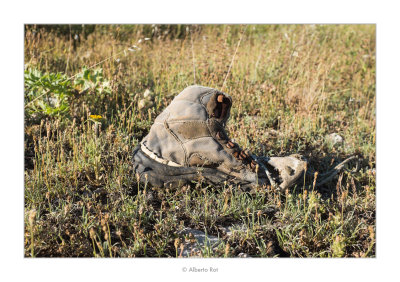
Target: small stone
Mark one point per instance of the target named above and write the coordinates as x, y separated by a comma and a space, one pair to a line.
231, 230
243, 255
200, 239
149, 196
147, 94
143, 103
334, 138
53, 101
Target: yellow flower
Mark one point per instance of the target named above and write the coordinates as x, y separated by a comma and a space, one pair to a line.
96, 116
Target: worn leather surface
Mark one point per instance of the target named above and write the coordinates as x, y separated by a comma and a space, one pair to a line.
191, 133
186, 132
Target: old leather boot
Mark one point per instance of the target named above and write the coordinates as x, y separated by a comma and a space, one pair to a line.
188, 142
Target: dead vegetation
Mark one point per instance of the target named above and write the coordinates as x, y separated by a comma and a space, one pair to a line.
292, 85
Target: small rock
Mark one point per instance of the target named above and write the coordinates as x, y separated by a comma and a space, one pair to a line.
192, 249
143, 103
243, 255
229, 231
334, 138
149, 196
53, 101
147, 94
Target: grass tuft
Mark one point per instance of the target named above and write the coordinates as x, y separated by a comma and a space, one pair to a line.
292, 86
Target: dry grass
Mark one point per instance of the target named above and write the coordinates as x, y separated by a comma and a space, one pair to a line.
291, 86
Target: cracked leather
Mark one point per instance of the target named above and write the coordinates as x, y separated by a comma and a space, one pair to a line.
191, 132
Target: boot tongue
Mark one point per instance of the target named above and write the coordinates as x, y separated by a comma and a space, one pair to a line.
219, 107
222, 108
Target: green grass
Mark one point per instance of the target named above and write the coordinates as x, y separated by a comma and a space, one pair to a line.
291, 85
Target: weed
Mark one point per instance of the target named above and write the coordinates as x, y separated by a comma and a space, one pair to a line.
292, 85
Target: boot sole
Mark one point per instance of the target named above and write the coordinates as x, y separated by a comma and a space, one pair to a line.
162, 175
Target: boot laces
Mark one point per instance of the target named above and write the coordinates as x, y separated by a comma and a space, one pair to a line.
237, 152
